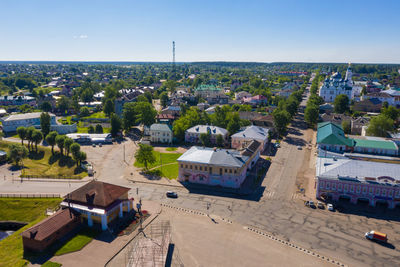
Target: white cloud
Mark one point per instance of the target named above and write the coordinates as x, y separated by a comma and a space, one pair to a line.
82, 36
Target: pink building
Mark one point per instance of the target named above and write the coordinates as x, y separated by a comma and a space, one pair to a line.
358, 181
255, 100
213, 166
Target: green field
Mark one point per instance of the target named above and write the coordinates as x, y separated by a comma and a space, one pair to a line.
163, 158
51, 264
170, 171
30, 210
44, 164
78, 241
171, 148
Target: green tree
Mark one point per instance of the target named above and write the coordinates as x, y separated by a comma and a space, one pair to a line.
84, 112
281, 120
341, 104
60, 143
205, 139
108, 107
29, 132
234, 124
46, 106
21, 131
145, 155
91, 129
164, 99
146, 114
129, 116
220, 140
81, 156
391, 112
380, 126
75, 151
45, 122
17, 153
67, 145
63, 103
346, 127
116, 124
51, 140
37, 137
99, 129
311, 114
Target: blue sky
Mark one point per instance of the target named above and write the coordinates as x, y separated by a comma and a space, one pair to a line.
219, 30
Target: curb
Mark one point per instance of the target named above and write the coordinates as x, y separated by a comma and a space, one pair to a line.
193, 212
50, 180
143, 182
306, 251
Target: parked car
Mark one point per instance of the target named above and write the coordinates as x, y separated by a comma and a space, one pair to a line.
93, 145
299, 147
100, 145
312, 204
172, 194
307, 203
277, 145
330, 207
320, 205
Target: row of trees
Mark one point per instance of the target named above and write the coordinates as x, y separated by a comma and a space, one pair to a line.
311, 113
286, 109
65, 144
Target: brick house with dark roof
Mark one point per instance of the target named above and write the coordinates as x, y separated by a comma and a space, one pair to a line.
45, 233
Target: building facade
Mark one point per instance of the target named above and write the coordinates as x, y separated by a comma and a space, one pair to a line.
192, 135
12, 122
213, 166
358, 181
160, 133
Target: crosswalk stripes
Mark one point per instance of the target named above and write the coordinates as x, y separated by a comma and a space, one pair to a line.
269, 195
296, 196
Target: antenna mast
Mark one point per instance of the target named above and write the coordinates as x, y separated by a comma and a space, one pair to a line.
173, 59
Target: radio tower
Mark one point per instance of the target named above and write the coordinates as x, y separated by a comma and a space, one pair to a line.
173, 59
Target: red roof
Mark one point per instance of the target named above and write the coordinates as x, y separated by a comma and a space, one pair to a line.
50, 225
96, 193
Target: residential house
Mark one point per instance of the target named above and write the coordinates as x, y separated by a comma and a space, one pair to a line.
357, 124
160, 133
392, 100
242, 94
192, 135
255, 100
335, 118
368, 105
257, 119
214, 166
248, 134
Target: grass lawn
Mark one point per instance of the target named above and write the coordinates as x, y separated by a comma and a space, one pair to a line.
44, 164
165, 158
96, 115
51, 264
85, 129
171, 148
30, 210
78, 241
170, 171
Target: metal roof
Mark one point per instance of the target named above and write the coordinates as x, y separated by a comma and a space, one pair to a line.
382, 144
332, 134
253, 132
218, 157
33, 115
215, 130
160, 127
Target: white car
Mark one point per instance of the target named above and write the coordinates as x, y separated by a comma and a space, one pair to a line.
330, 207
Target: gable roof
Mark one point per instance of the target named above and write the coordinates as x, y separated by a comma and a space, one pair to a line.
50, 225
332, 134
253, 132
160, 127
96, 193
215, 130
380, 144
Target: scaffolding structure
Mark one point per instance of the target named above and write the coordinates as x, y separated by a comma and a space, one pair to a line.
150, 249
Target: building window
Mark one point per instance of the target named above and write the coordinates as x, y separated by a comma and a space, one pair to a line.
364, 190
195, 167
340, 187
358, 189
334, 186
371, 190
384, 192
181, 165
205, 168
191, 167
397, 193
230, 170
352, 188
201, 168
377, 192
346, 187
328, 185
186, 166
321, 185
226, 171
235, 171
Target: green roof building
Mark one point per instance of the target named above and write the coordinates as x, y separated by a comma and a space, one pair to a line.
207, 90
331, 137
